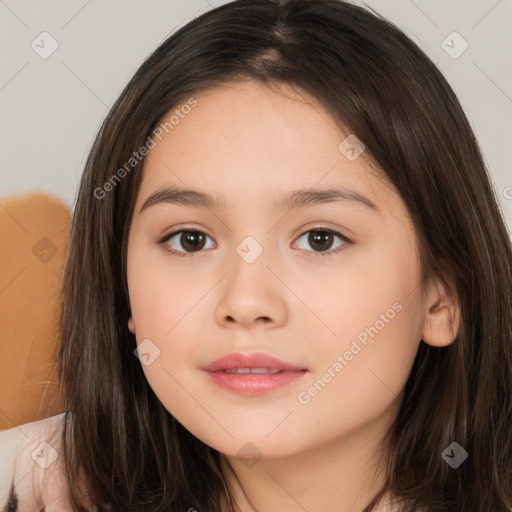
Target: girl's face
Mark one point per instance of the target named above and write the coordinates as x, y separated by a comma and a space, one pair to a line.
261, 275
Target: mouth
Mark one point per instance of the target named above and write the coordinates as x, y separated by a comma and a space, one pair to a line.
260, 371
256, 362
252, 374
245, 382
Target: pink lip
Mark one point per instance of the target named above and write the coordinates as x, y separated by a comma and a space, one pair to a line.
255, 360
252, 383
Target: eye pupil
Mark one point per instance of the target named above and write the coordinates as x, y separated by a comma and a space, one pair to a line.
320, 237
193, 239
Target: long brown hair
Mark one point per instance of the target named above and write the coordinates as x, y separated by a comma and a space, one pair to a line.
371, 78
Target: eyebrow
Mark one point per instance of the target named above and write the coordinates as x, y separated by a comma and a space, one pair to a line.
294, 199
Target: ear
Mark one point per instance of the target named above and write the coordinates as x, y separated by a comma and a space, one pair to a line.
131, 325
442, 316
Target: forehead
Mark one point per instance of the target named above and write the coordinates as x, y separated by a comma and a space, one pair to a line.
244, 136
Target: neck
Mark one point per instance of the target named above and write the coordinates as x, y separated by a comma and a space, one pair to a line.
343, 475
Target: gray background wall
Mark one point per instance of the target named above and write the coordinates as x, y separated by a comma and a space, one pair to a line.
51, 105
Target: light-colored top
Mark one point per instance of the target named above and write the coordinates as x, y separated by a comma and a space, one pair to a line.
30, 463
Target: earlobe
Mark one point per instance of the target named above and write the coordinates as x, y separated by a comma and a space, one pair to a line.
131, 325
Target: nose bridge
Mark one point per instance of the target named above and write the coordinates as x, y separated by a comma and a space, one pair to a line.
250, 266
251, 291
250, 250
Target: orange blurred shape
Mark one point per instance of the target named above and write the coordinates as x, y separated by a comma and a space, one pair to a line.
33, 240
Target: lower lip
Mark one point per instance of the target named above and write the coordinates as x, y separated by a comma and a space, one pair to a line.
255, 383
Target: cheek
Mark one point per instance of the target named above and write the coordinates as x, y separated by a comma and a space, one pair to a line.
163, 303
161, 294
375, 323
373, 296
361, 373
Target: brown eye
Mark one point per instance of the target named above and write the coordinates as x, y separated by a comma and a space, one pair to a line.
185, 241
322, 240
192, 240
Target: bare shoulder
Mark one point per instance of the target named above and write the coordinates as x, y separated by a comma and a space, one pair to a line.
30, 456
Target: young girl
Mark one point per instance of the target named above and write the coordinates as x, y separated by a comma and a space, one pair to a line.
289, 283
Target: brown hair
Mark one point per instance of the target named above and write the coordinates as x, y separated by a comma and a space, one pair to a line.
373, 79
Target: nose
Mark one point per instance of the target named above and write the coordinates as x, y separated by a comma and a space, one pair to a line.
251, 295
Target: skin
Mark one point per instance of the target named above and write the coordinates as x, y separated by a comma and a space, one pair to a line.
251, 143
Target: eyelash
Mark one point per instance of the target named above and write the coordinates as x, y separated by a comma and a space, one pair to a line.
347, 241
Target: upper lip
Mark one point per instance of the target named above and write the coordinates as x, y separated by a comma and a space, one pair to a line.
254, 360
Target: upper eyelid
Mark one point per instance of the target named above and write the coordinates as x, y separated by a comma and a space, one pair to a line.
174, 232
334, 231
